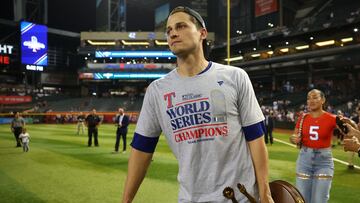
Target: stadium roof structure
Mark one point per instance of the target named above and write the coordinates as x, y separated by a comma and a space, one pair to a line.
319, 29
91, 41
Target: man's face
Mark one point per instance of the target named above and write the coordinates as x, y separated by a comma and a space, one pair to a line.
121, 111
93, 111
182, 34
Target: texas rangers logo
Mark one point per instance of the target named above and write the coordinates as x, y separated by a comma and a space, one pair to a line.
34, 44
196, 118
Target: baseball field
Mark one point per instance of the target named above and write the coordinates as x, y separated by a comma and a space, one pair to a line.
61, 168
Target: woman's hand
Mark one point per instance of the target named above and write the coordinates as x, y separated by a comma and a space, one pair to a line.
295, 139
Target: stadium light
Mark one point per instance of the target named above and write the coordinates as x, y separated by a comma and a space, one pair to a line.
270, 52
302, 47
126, 75
161, 43
284, 50
134, 43
255, 55
325, 43
348, 39
134, 54
107, 43
238, 58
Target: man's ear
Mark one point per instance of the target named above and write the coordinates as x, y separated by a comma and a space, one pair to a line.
204, 33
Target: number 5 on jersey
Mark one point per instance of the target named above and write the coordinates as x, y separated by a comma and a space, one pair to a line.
314, 135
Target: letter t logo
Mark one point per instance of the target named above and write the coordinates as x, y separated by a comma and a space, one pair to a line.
168, 98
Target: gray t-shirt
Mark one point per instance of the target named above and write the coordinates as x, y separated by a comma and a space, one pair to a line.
17, 122
202, 118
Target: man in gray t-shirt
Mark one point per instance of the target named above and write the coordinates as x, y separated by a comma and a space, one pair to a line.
16, 127
210, 117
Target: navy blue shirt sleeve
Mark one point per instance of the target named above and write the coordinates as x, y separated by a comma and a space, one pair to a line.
254, 131
143, 143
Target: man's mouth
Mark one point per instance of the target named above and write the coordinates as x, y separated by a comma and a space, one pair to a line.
175, 43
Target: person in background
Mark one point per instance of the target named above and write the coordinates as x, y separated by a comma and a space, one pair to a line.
25, 139
269, 126
351, 154
122, 122
352, 138
352, 145
92, 122
314, 165
210, 117
17, 124
80, 123
338, 136
356, 118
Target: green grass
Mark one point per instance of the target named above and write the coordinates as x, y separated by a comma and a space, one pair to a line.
61, 168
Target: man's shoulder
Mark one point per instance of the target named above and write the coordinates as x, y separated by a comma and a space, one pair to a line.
168, 78
227, 69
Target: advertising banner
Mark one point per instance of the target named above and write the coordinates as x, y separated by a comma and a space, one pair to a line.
263, 7
15, 99
125, 66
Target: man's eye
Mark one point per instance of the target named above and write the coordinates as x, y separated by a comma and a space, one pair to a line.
181, 26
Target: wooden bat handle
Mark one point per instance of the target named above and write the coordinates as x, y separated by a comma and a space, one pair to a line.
229, 193
244, 192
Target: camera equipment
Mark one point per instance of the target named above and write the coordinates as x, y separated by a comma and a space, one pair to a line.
341, 125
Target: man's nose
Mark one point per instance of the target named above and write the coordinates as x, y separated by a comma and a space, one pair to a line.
173, 34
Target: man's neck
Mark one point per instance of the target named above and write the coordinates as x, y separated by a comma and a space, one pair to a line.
191, 65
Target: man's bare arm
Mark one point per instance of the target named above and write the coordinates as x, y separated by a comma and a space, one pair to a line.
260, 160
138, 164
